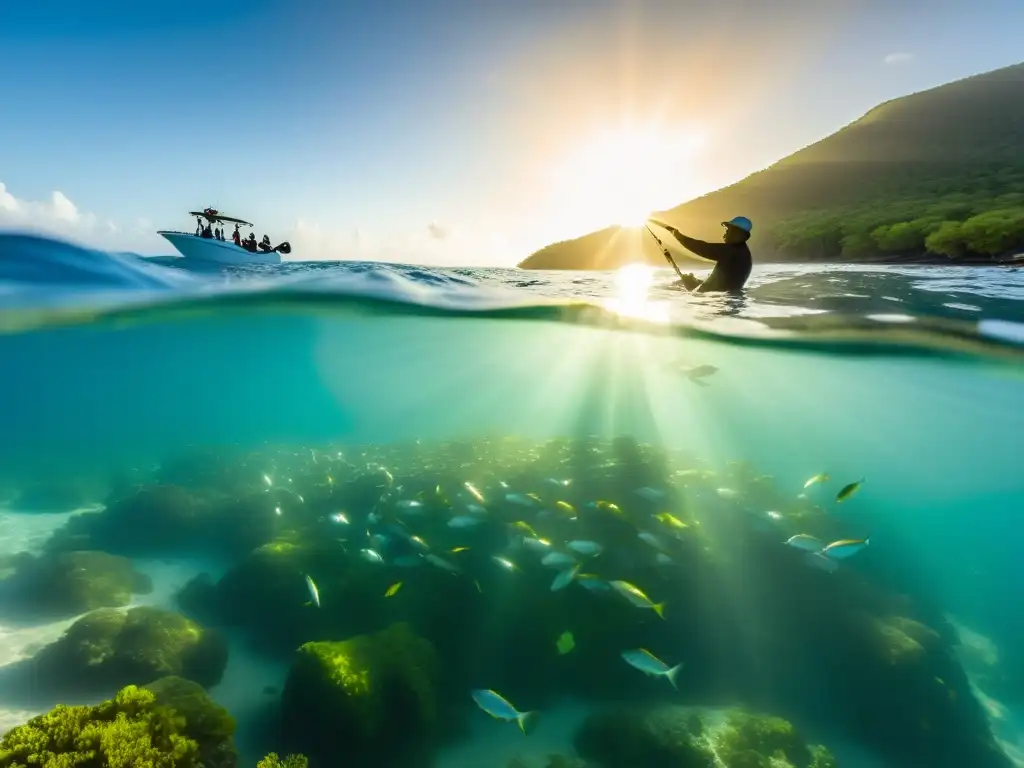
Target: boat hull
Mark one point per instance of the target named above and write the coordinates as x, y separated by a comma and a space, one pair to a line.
213, 251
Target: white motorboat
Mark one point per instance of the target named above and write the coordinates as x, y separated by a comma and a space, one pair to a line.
209, 243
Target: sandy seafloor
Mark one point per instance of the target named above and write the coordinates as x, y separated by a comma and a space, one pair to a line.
491, 743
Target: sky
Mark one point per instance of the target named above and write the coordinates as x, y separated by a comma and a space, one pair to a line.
450, 132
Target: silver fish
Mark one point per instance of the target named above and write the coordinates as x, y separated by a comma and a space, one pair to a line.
650, 664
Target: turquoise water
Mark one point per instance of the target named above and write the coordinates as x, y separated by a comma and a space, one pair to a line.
250, 389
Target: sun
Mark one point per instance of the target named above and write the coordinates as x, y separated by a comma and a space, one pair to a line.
620, 175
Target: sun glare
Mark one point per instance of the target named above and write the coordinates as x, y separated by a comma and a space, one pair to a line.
620, 176
633, 284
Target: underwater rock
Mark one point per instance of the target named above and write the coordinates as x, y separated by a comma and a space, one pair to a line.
206, 723
65, 584
49, 497
677, 737
129, 730
108, 649
353, 697
266, 593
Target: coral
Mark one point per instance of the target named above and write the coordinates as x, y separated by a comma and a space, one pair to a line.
206, 722
351, 697
291, 761
129, 730
107, 649
760, 741
69, 583
677, 737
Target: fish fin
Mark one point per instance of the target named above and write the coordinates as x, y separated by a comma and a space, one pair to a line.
672, 674
527, 721
659, 608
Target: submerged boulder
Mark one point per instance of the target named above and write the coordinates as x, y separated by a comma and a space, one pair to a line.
108, 649
680, 737
65, 584
352, 697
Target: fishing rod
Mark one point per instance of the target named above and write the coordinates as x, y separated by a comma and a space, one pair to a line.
664, 250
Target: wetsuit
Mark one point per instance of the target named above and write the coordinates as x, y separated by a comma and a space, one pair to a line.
732, 265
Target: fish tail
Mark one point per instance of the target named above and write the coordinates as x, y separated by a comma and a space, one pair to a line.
659, 608
527, 721
672, 674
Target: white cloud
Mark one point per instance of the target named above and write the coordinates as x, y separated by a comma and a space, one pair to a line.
899, 58
60, 217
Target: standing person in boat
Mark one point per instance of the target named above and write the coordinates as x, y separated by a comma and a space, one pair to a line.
732, 257
236, 237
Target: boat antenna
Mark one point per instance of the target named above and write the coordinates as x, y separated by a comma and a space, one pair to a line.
664, 250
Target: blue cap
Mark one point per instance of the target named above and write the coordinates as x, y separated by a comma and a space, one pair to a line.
740, 222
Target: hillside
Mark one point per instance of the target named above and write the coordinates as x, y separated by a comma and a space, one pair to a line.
940, 172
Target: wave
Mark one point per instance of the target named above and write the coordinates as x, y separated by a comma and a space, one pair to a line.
47, 282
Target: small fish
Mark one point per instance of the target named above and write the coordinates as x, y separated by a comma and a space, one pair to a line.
848, 490
314, 593
393, 589
474, 492
519, 500
408, 561
564, 579
819, 561
773, 515
636, 596
565, 643
670, 520
805, 542
652, 540
821, 477
339, 518
371, 555
608, 506
592, 582
456, 550
522, 527
650, 664
268, 481
650, 494
409, 504
565, 506
840, 550
505, 563
558, 483
497, 707
443, 564
727, 493
536, 545
585, 548
699, 372
277, 510
558, 560
464, 521
419, 543
662, 559
476, 509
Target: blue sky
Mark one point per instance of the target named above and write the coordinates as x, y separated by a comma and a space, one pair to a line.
451, 131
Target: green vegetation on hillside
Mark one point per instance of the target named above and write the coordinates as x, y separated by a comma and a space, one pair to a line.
936, 173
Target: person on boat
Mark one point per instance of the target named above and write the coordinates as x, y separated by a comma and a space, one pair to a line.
199, 227
207, 232
236, 237
732, 257
250, 243
265, 244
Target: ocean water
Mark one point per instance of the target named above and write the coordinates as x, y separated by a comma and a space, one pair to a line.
347, 405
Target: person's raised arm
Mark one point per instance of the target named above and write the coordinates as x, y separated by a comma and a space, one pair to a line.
709, 251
